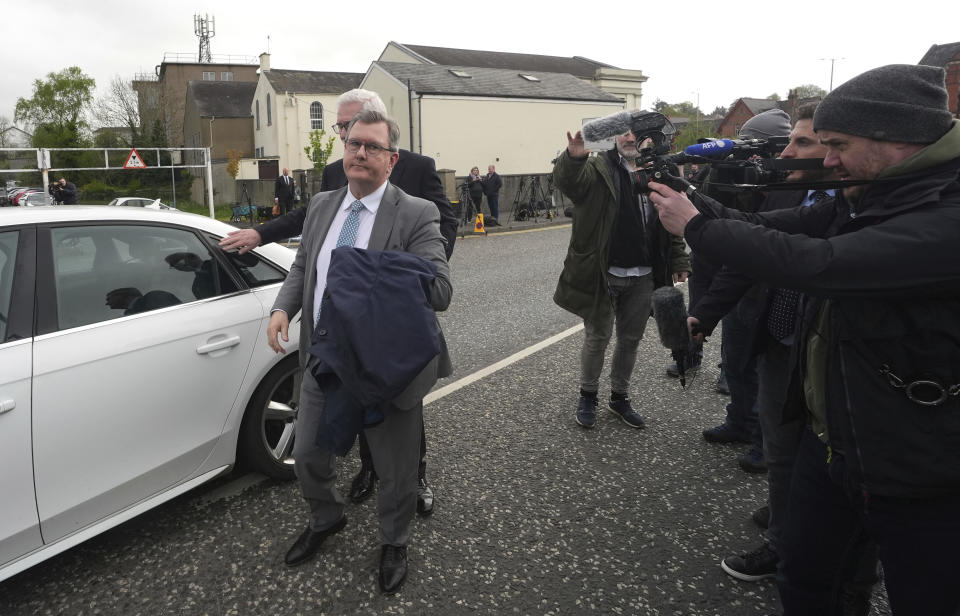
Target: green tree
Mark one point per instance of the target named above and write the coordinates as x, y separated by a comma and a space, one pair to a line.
57, 110
691, 133
319, 151
810, 90
774, 97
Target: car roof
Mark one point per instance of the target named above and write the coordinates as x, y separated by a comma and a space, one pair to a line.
10, 216
52, 214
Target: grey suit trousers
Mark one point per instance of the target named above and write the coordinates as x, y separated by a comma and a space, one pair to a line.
395, 445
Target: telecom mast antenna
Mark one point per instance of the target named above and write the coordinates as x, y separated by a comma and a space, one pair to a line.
205, 28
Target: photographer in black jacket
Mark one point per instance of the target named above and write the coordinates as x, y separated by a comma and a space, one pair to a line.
875, 364
63, 192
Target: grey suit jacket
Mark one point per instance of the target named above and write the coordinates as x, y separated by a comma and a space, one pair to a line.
403, 223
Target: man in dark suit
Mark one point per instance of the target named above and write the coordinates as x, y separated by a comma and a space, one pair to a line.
284, 192
492, 183
367, 213
415, 175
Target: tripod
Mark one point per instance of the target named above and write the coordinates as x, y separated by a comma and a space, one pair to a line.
467, 212
530, 200
244, 194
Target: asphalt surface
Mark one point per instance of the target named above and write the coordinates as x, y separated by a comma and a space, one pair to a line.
534, 514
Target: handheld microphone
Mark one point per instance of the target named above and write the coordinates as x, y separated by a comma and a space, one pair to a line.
670, 314
609, 126
711, 149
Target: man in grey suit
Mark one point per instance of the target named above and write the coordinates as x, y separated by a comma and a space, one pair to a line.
371, 213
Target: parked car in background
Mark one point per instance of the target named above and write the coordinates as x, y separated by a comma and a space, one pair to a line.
133, 367
23, 192
36, 198
152, 204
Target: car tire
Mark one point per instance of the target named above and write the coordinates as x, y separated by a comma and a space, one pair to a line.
265, 444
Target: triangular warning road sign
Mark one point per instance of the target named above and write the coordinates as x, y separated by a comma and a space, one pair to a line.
134, 161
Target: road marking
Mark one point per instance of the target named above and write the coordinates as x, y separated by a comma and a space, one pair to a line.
242, 483
492, 234
500, 365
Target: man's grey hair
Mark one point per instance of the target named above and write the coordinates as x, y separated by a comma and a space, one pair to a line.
369, 116
368, 98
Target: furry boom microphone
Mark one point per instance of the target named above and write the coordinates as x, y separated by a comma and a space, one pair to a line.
670, 314
640, 123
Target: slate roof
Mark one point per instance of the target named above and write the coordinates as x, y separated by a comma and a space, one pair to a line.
759, 105
578, 66
312, 82
494, 82
940, 55
223, 99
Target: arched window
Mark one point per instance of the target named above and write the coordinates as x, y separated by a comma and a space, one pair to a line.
316, 116
257, 114
269, 111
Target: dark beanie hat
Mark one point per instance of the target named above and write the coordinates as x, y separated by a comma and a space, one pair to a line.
898, 102
770, 123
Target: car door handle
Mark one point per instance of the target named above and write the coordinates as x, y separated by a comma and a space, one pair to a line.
7, 405
218, 345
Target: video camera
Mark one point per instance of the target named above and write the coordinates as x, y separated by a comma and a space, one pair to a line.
737, 165
738, 162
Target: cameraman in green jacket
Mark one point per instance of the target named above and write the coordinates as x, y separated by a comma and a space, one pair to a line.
618, 254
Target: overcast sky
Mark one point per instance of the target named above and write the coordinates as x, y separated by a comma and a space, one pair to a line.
712, 51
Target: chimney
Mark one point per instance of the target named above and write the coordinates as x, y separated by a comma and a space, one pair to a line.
264, 62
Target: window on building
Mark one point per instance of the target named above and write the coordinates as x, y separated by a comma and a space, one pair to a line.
226, 75
269, 111
316, 116
257, 114
209, 75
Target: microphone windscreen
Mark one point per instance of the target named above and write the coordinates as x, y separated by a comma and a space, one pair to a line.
670, 314
608, 126
714, 147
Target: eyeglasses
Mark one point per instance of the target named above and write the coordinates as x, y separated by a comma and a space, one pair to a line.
372, 149
339, 127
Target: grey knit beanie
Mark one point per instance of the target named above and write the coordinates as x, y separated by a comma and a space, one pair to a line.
770, 123
897, 102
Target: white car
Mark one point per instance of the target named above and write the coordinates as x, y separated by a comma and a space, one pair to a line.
35, 199
133, 367
150, 204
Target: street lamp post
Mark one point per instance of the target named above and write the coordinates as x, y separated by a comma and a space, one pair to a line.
698, 111
832, 60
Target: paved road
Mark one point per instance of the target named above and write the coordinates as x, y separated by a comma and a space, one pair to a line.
534, 515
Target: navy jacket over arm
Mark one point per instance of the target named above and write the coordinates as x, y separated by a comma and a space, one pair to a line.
376, 332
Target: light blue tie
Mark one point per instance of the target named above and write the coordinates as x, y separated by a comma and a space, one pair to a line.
348, 234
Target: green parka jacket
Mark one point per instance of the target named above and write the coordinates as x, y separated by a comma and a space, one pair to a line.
582, 288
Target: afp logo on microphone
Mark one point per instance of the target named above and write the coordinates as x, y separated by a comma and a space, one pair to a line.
713, 144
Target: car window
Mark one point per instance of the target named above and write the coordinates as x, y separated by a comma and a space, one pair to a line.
255, 271
8, 256
110, 271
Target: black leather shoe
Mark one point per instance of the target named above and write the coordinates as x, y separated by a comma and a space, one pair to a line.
309, 542
363, 484
424, 498
393, 567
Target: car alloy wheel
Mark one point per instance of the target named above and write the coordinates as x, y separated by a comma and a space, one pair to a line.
269, 425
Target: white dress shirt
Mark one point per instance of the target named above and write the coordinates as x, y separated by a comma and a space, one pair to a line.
371, 203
